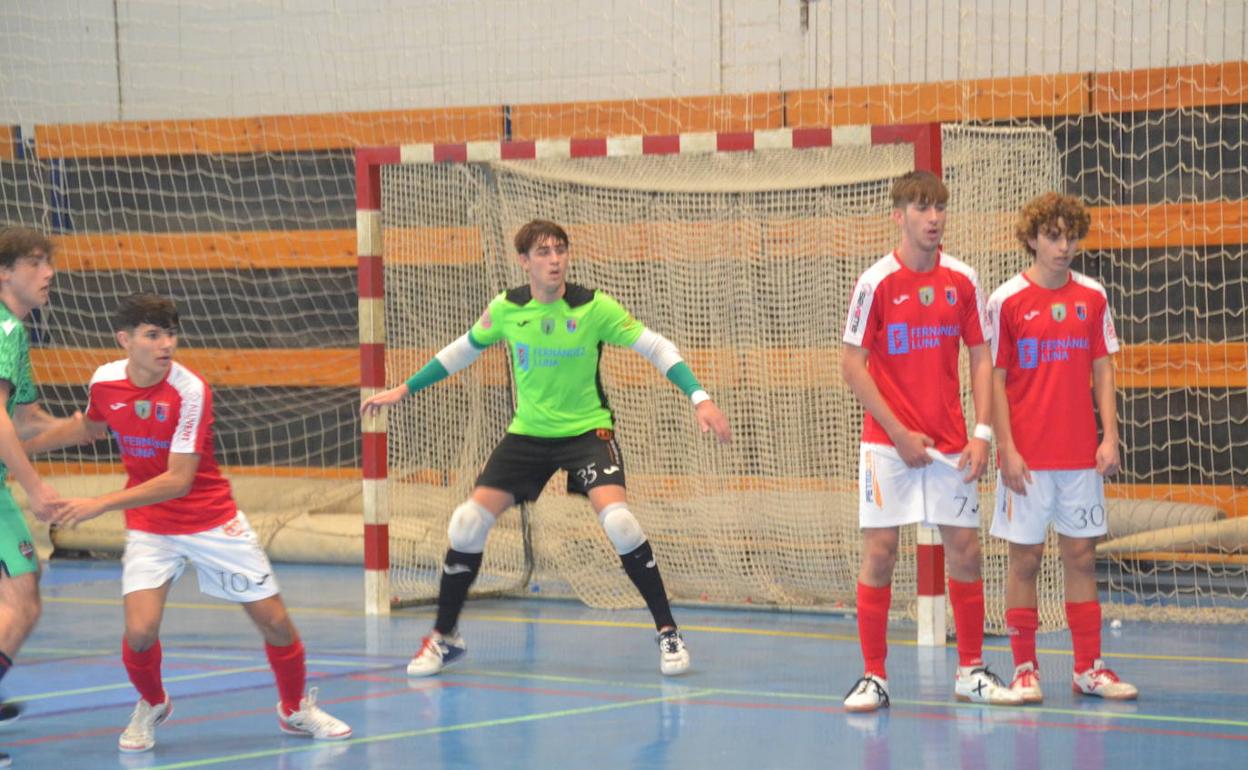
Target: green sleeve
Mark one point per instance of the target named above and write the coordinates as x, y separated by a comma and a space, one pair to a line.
489, 327
430, 373
682, 377
617, 325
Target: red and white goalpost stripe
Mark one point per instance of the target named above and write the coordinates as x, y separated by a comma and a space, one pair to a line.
927, 156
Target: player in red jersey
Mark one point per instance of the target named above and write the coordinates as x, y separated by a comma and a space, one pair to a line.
909, 314
1052, 335
178, 508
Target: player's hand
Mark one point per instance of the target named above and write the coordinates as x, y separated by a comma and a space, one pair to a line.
974, 459
75, 510
373, 404
710, 419
43, 501
912, 447
1107, 461
1015, 474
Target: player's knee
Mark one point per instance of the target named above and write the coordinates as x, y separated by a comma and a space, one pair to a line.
1024, 564
139, 640
622, 528
469, 527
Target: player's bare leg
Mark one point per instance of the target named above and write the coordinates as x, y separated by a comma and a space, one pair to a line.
20, 608
875, 578
975, 682
141, 654
1083, 615
610, 502
470, 526
297, 713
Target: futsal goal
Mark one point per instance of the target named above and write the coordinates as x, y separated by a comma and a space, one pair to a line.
741, 248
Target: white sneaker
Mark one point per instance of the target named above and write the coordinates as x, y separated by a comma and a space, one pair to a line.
673, 655
312, 722
1103, 683
976, 684
436, 653
140, 734
1027, 683
870, 693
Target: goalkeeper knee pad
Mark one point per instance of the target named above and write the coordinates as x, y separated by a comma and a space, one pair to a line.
470, 525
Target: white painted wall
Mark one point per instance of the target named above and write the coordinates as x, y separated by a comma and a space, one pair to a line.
217, 58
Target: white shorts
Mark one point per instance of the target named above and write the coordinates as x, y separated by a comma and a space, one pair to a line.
1074, 501
892, 494
230, 562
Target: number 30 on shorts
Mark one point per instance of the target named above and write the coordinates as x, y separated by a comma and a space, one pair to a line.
1093, 515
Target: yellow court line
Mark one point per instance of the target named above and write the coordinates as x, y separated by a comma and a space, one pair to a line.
699, 628
838, 699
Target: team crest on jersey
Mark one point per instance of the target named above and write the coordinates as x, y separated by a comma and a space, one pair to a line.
143, 409
927, 295
1058, 309
162, 411
548, 325
951, 295
1081, 311
571, 325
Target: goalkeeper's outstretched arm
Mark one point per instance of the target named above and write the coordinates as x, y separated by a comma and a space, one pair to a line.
450, 359
660, 351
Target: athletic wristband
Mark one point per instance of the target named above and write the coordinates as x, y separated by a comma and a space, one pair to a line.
432, 372
698, 396
983, 432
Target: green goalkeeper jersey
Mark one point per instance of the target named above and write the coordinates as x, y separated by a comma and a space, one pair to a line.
555, 351
15, 366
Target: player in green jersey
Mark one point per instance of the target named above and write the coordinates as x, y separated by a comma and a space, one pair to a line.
554, 331
25, 279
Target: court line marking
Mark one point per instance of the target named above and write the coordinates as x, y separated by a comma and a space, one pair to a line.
1117, 654
951, 704
385, 737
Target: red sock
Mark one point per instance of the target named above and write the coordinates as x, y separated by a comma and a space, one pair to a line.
1084, 619
1021, 624
143, 669
968, 617
873, 606
290, 672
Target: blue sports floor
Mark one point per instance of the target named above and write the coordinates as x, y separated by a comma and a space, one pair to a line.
555, 685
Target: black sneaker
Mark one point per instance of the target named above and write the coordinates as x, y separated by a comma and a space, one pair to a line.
9, 712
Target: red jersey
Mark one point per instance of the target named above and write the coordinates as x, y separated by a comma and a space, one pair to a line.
174, 415
910, 325
1046, 341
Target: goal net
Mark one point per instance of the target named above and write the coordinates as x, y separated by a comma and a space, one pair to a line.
746, 260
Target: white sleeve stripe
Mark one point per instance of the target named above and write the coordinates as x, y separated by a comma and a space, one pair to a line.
190, 417
658, 350
458, 355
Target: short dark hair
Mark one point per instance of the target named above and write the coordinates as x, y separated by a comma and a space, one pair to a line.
145, 308
18, 242
921, 187
537, 231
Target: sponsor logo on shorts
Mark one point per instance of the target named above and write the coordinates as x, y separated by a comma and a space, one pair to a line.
27, 549
610, 470
233, 527
606, 434
143, 409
